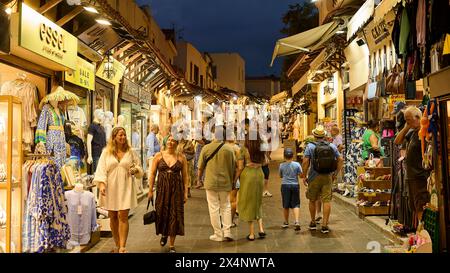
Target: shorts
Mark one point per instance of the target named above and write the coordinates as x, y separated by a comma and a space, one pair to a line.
418, 194
266, 172
290, 196
320, 187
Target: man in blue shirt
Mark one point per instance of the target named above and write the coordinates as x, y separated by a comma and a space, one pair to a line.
319, 185
152, 143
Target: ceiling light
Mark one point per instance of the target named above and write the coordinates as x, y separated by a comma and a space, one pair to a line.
340, 32
8, 11
103, 22
91, 9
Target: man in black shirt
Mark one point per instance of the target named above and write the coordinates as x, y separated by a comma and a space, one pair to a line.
416, 175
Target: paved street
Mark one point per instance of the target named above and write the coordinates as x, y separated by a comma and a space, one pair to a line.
349, 234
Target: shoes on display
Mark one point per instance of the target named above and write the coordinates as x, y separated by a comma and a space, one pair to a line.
377, 204
346, 192
285, 225
297, 226
215, 238
378, 191
267, 194
325, 230
312, 226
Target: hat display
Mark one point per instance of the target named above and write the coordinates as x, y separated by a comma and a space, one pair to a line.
288, 152
319, 131
59, 94
399, 105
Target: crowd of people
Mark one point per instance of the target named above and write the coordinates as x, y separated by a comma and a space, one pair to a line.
234, 175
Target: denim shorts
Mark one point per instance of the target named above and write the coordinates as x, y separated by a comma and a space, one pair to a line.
290, 195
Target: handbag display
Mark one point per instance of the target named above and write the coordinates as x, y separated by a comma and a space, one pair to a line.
150, 217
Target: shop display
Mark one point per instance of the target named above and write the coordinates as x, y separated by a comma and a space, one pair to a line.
10, 186
77, 116
96, 139
27, 92
50, 136
45, 225
108, 124
81, 215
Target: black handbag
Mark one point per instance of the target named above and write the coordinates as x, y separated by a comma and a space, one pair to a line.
150, 217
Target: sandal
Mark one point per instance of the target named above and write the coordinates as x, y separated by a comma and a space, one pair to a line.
163, 241
114, 250
249, 238
123, 250
172, 249
262, 235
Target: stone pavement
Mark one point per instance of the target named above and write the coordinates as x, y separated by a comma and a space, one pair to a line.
348, 234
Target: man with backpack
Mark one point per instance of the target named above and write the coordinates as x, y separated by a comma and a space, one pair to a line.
323, 161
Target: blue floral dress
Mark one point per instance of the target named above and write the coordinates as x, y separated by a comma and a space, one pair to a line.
50, 130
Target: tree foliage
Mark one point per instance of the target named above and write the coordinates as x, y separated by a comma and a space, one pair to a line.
300, 17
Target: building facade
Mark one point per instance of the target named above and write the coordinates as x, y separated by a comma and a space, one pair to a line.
230, 69
263, 87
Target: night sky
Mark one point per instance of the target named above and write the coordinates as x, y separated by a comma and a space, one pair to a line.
249, 27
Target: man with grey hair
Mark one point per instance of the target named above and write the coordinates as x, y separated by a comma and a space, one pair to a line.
416, 175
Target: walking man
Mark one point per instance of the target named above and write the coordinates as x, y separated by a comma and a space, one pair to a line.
324, 163
218, 161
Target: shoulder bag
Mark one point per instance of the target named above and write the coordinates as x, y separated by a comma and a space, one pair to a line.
213, 154
150, 217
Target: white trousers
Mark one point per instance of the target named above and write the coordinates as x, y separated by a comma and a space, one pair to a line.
219, 212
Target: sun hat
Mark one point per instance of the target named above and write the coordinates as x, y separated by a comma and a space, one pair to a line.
59, 94
319, 131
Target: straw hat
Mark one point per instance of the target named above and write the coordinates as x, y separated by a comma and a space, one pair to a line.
319, 131
59, 94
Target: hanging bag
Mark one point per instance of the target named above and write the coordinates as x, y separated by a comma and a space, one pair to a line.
150, 217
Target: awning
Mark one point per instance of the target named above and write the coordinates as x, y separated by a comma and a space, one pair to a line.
312, 65
361, 17
383, 8
305, 41
278, 97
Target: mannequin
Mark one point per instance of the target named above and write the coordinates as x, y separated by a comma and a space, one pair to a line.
108, 124
96, 139
50, 137
121, 121
79, 188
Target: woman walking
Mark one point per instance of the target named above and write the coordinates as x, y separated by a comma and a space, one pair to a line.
116, 166
251, 188
171, 192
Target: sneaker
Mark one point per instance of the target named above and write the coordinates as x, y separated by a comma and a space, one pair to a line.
312, 226
215, 238
318, 219
325, 230
297, 226
267, 194
228, 238
233, 225
285, 225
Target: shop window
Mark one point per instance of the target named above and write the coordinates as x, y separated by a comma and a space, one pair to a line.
196, 74
331, 111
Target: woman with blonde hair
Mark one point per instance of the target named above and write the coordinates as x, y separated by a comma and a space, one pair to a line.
116, 166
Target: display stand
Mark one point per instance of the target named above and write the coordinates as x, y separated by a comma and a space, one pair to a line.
375, 196
11, 175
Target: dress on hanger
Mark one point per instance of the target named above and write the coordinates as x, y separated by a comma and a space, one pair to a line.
50, 130
26, 91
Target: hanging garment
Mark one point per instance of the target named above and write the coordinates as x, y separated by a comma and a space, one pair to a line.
78, 117
421, 23
26, 91
404, 32
45, 225
81, 216
50, 130
77, 148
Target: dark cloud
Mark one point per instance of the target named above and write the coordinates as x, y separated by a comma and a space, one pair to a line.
249, 27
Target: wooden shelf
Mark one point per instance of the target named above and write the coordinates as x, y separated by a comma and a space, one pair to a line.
373, 211
377, 184
382, 197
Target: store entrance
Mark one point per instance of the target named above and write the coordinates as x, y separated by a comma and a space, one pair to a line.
444, 113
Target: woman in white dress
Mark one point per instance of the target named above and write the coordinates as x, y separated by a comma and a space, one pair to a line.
116, 166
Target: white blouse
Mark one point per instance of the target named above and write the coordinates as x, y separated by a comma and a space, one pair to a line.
121, 192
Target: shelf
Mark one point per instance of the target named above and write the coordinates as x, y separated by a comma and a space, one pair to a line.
373, 197
372, 211
377, 184
4, 185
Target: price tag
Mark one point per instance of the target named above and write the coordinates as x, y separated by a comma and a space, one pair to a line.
80, 210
